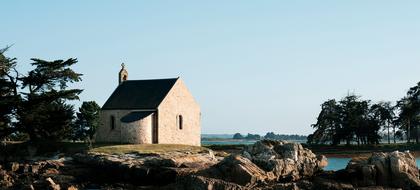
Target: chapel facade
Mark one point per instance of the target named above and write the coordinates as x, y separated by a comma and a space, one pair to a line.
154, 111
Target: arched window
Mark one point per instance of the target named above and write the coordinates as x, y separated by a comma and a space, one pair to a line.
180, 121
112, 122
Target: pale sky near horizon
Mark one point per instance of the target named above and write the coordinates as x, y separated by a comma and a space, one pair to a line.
254, 66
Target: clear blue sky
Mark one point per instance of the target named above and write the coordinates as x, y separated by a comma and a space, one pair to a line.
254, 66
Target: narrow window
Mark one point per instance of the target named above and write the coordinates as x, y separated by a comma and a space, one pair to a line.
112, 122
180, 121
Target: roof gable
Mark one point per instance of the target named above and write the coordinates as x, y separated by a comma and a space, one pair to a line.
139, 94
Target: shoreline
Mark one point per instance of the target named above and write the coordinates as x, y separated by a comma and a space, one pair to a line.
340, 151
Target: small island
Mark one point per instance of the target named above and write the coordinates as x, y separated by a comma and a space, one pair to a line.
209, 95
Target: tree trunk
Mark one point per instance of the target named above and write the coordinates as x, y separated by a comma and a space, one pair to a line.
389, 140
408, 130
417, 135
394, 135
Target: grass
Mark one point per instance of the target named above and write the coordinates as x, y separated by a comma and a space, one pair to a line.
52, 148
20, 149
146, 148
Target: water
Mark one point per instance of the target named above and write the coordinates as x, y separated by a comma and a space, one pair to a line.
341, 163
337, 163
230, 142
237, 142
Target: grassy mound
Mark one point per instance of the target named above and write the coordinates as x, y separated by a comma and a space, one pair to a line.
146, 148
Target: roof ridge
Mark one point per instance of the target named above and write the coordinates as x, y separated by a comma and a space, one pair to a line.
153, 79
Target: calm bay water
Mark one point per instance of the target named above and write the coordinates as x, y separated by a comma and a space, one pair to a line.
236, 142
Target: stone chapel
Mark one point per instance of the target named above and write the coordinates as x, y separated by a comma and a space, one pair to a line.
154, 111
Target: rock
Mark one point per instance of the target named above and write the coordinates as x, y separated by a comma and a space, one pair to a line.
63, 180
286, 160
150, 169
5, 179
239, 170
51, 184
283, 186
34, 168
323, 161
303, 184
54, 164
24, 168
13, 166
29, 187
194, 182
363, 175
404, 171
193, 160
72, 188
394, 169
50, 171
329, 184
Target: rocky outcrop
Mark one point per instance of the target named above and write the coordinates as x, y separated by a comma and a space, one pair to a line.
275, 164
6, 180
147, 169
194, 182
36, 175
266, 165
396, 169
287, 161
239, 170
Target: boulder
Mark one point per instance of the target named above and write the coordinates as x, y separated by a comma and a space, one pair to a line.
404, 171
13, 166
329, 184
51, 185
147, 169
238, 169
288, 161
302, 184
395, 169
72, 188
34, 168
6, 180
194, 182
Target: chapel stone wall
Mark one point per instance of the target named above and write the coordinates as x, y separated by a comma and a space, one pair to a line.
136, 132
179, 101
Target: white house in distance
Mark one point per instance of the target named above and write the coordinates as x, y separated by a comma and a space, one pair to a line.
155, 111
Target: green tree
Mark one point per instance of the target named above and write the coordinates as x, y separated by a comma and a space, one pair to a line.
87, 121
238, 136
9, 97
250, 136
413, 96
383, 112
328, 122
409, 110
51, 121
47, 87
35, 103
348, 120
270, 135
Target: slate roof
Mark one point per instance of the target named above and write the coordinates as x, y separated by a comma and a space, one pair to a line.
139, 94
135, 116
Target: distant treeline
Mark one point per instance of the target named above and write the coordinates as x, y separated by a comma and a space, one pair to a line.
353, 120
269, 135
